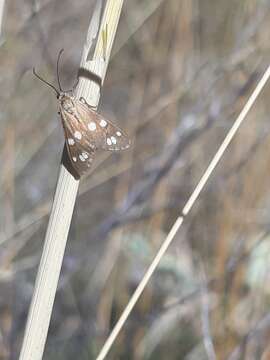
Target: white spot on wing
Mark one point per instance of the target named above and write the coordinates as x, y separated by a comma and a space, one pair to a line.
71, 141
81, 158
92, 126
113, 139
103, 123
78, 135
109, 141
85, 155
118, 133
74, 159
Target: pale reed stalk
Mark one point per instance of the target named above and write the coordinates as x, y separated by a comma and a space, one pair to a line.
66, 191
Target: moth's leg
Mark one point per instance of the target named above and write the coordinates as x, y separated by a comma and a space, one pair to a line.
93, 77
82, 99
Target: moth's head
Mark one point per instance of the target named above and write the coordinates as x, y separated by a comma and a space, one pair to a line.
66, 101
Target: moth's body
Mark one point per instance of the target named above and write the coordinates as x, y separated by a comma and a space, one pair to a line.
87, 131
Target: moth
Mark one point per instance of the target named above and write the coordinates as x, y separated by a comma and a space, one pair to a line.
85, 130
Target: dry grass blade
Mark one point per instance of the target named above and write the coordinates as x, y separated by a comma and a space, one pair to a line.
136, 295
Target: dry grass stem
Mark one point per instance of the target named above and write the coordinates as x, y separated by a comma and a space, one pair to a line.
66, 191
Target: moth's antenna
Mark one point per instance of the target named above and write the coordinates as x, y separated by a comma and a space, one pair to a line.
57, 69
46, 82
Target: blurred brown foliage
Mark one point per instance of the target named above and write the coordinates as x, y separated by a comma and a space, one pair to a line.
180, 73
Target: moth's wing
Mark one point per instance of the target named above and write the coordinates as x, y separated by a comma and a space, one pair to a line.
102, 132
81, 151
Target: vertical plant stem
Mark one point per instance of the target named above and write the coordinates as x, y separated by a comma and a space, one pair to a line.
2, 5
50, 266
56, 236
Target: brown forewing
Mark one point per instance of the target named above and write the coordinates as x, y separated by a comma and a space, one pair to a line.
103, 135
86, 131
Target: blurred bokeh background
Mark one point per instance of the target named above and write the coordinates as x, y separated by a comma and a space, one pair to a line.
180, 73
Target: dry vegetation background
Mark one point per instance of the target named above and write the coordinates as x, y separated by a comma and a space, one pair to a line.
180, 73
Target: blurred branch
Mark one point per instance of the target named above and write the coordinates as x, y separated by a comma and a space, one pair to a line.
258, 334
236, 258
252, 27
207, 337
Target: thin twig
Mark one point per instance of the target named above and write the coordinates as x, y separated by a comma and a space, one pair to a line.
207, 337
256, 334
136, 295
